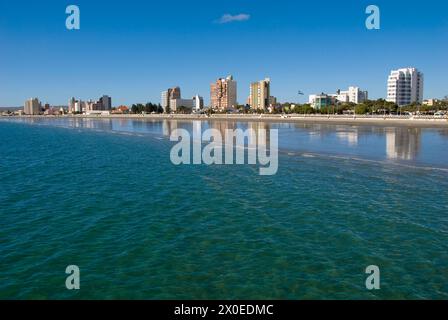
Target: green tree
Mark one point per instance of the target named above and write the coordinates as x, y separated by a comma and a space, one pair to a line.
361, 109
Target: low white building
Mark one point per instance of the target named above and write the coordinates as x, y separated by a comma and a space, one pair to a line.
430, 102
323, 100
175, 104
196, 103
97, 113
353, 95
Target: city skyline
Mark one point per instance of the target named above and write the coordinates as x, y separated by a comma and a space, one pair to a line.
404, 87
142, 52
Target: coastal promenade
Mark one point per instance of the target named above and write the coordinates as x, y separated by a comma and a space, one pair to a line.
387, 120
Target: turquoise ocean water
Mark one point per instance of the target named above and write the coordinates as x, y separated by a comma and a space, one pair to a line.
103, 195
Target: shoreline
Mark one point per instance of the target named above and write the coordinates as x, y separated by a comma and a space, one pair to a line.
429, 122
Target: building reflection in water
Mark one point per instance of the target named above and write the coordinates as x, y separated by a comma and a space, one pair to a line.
254, 129
169, 126
126, 125
197, 131
103, 124
351, 137
222, 126
87, 123
265, 137
403, 143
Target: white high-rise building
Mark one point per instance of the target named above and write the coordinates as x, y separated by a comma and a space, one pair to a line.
405, 86
198, 102
165, 100
78, 106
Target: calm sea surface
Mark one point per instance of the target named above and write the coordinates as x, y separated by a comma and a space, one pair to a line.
104, 195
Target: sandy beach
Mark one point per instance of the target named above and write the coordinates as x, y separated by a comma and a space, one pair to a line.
416, 121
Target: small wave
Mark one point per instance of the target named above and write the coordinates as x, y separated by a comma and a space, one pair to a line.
308, 155
380, 162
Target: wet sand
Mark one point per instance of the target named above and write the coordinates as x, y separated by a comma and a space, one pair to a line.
428, 122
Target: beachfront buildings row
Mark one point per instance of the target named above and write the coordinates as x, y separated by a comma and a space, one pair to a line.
171, 100
34, 107
104, 104
194, 104
404, 87
352, 95
223, 96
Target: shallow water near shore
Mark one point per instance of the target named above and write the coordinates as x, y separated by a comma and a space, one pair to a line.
103, 195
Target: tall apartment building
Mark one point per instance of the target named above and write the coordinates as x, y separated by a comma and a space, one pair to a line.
106, 103
168, 95
260, 93
71, 105
223, 94
405, 86
165, 100
32, 107
353, 94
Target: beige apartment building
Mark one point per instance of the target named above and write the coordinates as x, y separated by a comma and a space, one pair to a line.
223, 94
32, 107
168, 96
260, 93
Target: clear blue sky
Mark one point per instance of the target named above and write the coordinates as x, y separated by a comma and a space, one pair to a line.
132, 50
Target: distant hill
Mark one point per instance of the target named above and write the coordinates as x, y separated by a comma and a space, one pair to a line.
10, 108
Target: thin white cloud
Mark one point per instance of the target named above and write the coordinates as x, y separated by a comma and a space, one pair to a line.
227, 18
